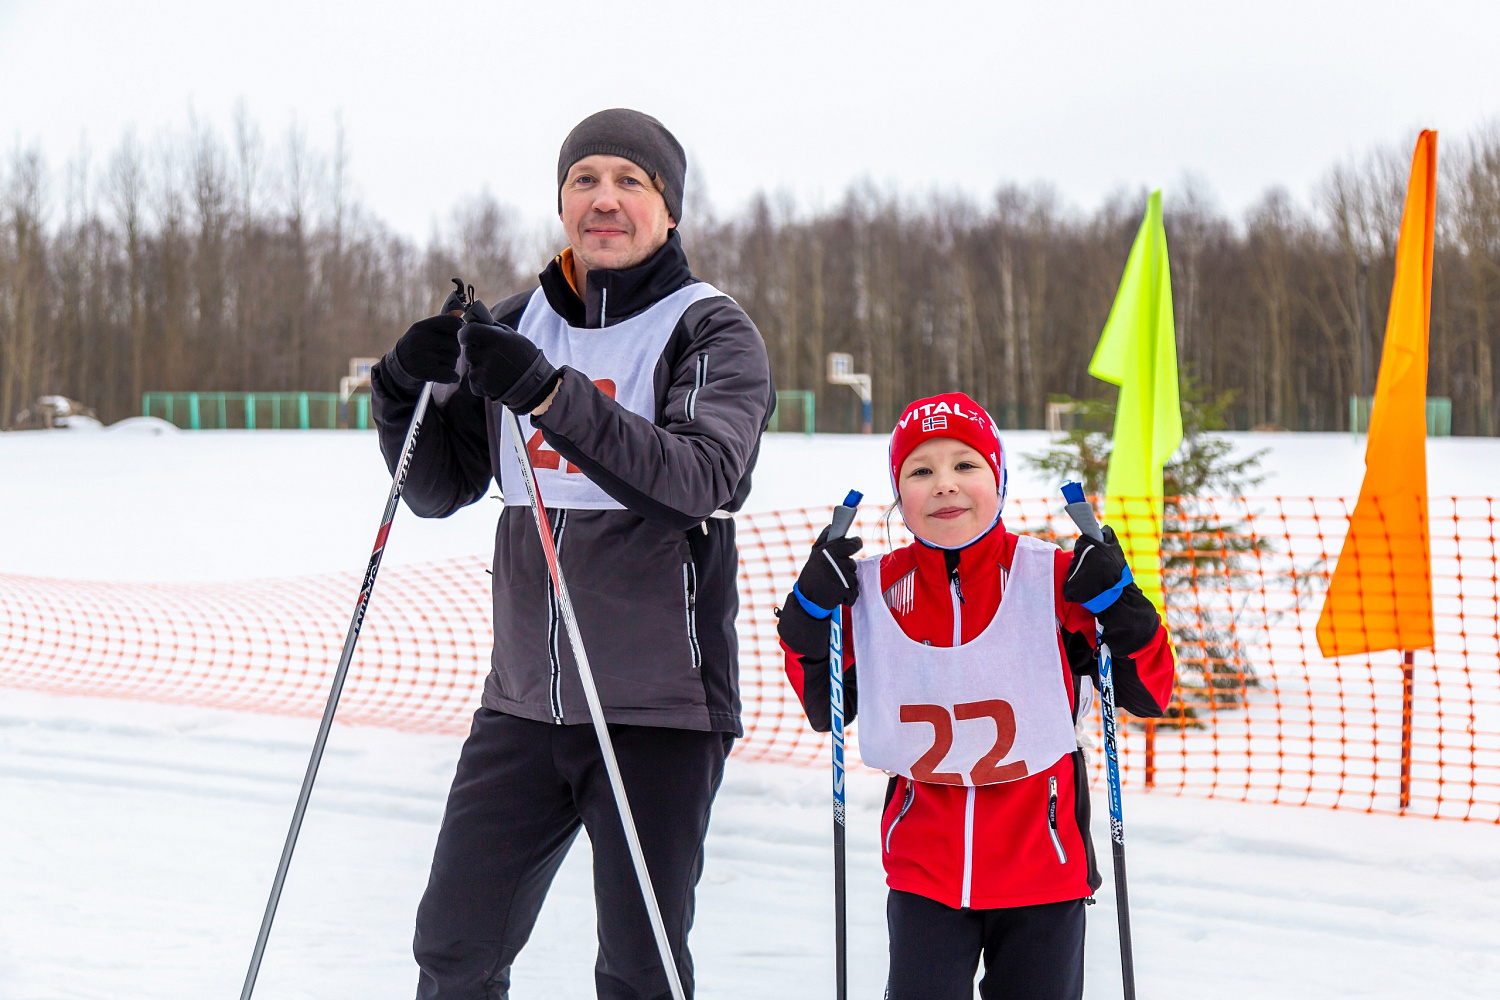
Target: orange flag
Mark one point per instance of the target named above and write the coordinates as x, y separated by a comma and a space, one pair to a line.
1380, 596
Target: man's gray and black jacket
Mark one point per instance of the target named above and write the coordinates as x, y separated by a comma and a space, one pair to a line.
654, 585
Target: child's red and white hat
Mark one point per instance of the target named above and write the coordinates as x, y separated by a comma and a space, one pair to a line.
951, 415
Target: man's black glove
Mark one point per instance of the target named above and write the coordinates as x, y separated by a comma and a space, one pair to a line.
503, 365
429, 350
827, 582
1098, 573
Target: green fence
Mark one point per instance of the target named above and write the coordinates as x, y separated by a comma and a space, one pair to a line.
795, 399
1439, 415
252, 411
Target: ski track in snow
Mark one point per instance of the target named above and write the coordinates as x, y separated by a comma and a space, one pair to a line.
138, 841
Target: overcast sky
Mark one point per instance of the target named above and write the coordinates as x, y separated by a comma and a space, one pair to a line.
441, 100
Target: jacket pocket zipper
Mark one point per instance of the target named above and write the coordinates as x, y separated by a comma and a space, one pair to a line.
554, 627
911, 793
690, 601
1062, 855
700, 377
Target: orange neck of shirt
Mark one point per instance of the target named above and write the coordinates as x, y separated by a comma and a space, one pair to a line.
565, 261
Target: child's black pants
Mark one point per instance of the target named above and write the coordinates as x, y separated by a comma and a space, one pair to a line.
521, 792
1030, 952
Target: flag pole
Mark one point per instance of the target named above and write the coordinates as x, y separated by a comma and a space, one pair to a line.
1406, 701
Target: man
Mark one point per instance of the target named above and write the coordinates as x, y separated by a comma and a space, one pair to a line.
642, 394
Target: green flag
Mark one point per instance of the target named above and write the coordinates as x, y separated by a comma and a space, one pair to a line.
1138, 353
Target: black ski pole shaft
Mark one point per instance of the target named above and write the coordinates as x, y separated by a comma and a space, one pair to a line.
596, 709
1082, 513
350, 641
843, 518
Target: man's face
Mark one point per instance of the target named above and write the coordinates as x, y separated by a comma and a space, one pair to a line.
612, 213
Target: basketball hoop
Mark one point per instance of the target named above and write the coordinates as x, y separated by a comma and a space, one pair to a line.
841, 372
358, 377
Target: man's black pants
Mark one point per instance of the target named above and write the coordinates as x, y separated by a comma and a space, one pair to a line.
1030, 952
522, 790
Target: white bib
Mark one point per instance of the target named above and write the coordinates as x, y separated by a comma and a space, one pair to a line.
993, 709
621, 361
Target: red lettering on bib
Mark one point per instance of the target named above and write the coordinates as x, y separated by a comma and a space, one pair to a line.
543, 457
985, 771
935, 716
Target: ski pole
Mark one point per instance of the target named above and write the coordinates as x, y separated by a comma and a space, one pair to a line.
1082, 513
596, 710
843, 517
345, 658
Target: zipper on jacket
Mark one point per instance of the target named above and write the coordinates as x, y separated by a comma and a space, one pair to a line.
700, 378
603, 308
690, 601
906, 801
950, 557
1062, 855
554, 624
968, 848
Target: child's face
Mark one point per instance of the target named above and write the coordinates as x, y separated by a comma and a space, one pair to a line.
948, 492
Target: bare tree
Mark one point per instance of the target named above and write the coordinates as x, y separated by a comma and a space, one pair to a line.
218, 265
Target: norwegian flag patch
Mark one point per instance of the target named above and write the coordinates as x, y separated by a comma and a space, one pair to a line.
939, 422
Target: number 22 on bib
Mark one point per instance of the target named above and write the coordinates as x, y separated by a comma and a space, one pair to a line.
994, 709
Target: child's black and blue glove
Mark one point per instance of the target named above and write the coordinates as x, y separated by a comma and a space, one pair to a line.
1099, 578
827, 582
1098, 573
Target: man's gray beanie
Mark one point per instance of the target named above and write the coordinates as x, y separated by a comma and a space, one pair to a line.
640, 139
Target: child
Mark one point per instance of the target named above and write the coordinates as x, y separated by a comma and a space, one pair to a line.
972, 647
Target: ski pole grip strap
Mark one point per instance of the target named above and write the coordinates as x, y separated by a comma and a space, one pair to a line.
817, 612
1111, 595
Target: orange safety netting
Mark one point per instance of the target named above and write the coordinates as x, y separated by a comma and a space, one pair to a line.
1258, 713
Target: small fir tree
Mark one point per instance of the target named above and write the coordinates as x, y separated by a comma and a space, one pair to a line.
1204, 555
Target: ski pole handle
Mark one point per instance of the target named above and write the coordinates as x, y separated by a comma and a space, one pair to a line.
843, 515
459, 299
1081, 511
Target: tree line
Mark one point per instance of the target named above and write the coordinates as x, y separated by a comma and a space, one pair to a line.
205, 261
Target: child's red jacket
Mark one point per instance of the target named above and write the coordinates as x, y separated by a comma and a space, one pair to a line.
993, 845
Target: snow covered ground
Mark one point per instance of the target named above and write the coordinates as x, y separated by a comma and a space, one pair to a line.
137, 841
124, 505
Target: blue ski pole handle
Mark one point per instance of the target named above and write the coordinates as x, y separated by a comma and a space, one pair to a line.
843, 519
1082, 513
